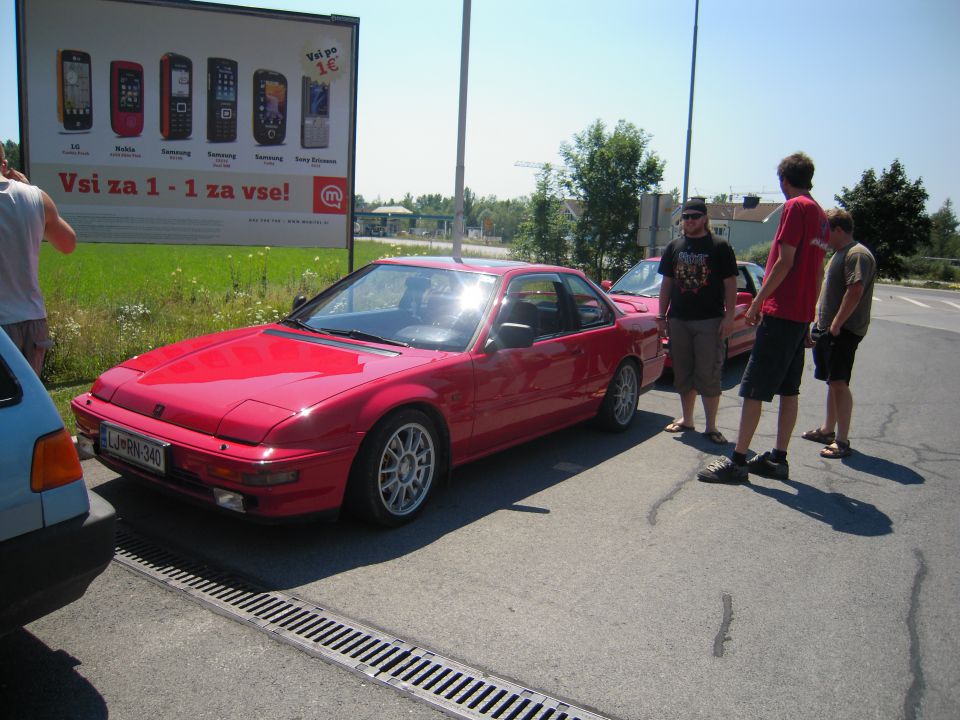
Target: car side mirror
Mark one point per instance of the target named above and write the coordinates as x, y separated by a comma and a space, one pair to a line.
510, 335
744, 298
299, 301
606, 285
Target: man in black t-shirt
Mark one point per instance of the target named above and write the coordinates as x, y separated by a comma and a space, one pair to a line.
698, 298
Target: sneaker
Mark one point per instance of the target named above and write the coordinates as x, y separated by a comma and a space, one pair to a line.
765, 466
723, 470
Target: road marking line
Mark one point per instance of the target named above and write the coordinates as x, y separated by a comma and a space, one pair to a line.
951, 304
915, 302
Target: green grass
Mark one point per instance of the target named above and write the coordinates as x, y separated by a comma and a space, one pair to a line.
108, 302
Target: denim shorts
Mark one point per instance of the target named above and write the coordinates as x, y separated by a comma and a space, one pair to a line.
833, 356
775, 366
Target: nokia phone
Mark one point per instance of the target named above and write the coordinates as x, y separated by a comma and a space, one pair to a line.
314, 113
269, 107
126, 98
221, 100
74, 93
176, 97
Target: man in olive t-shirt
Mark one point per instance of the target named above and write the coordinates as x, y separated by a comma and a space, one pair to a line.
843, 316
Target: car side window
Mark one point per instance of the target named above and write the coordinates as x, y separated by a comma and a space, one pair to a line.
756, 273
534, 300
10, 390
591, 310
743, 281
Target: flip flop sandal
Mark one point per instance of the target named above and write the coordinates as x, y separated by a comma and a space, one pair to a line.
818, 436
715, 436
836, 450
676, 427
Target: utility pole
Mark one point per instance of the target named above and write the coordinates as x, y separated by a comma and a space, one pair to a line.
693, 74
458, 224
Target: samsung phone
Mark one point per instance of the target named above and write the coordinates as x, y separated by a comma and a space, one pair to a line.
74, 95
221, 100
176, 96
269, 107
314, 113
126, 98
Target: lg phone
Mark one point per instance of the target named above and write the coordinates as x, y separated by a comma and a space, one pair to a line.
126, 98
74, 97
314, 113
176, 97
221, 100
269, 107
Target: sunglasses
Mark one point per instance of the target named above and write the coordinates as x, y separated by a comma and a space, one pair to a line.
692, 216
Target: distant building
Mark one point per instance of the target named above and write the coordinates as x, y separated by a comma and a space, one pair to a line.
741, 227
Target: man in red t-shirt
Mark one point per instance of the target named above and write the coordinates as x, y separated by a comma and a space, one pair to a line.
784, 309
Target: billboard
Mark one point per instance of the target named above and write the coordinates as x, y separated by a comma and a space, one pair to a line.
163, 121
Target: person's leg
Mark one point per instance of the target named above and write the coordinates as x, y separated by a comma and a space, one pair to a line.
843, 406
688, 401
749, 419
786, 421
830, 419
710, 407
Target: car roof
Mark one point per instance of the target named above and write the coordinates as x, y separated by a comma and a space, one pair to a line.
493, 266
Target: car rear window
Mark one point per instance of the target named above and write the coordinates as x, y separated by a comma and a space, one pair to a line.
10, 390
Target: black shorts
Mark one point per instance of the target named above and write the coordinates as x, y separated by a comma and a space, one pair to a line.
833, 356
775, 366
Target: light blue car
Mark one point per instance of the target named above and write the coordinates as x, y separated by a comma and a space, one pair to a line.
55, 537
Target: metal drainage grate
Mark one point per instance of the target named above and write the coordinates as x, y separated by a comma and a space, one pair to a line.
452, 687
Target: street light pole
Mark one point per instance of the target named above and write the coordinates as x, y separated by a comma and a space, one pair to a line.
458, 224
693, 74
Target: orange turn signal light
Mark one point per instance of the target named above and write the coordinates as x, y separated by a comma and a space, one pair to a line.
55, 462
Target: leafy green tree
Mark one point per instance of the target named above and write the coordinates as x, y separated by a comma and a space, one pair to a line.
889, 216
543, 236
607, 173
944, 240
12, 152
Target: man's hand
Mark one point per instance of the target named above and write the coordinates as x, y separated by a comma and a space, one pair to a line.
14, 174
726, 327
753, 314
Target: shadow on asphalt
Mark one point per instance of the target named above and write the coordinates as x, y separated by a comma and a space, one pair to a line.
881, 468
842, 513
36, 679
285, 556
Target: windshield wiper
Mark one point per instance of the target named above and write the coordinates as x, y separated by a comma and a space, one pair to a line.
301, 324
360, 335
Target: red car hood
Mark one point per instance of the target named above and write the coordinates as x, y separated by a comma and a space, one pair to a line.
264, 374
635, 305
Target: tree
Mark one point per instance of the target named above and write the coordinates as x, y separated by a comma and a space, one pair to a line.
607, 174
944, 241
543, 236
889, 216
12, 152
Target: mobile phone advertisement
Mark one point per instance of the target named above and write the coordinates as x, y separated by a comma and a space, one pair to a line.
182, 123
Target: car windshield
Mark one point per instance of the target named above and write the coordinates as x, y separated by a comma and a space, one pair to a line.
430, 308
642, 279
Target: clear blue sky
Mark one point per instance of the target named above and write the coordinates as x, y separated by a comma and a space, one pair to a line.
855, 84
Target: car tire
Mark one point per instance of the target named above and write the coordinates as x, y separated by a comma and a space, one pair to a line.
620, 401
396, 469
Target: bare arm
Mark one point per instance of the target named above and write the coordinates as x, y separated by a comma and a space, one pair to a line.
729, 305
666, 289
777, 274
55, 229
851, 298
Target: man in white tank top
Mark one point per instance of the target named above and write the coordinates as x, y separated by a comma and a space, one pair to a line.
27, 216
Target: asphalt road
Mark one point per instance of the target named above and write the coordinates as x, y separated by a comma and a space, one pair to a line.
588, 566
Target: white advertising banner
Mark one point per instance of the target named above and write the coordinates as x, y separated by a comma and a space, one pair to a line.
182, 122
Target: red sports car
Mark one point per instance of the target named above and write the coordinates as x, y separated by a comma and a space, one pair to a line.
371, 392
639, 289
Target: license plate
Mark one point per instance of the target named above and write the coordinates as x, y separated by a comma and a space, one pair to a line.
137, 449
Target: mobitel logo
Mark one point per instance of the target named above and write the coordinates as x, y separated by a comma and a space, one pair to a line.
330, 195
